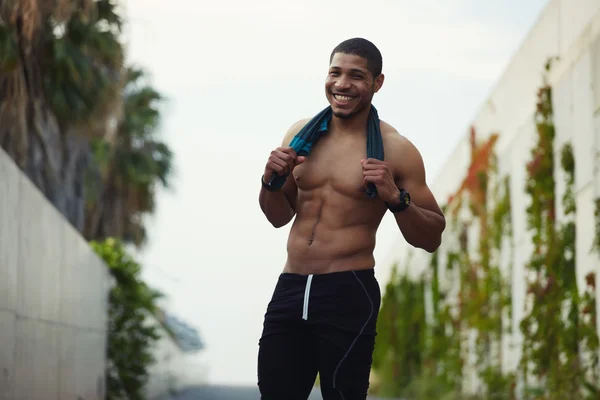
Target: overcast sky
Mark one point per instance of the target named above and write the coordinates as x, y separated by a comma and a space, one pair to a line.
237, 74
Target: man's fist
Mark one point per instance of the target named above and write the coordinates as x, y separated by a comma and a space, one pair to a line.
282, 161
379, 173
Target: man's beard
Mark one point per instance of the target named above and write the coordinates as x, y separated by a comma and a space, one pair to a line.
345, 116
350, 115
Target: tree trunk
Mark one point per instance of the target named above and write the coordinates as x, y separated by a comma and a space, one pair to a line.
102, 216
54, 160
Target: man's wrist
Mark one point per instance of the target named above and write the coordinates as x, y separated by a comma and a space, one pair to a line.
395, 200
268, 187
400, 202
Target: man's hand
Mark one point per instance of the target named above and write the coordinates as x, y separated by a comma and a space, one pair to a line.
282, 161
380, 174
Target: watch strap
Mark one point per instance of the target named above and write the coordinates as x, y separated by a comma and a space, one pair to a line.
268, 187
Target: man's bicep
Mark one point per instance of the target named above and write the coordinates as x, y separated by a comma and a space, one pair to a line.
414, 182
422, 196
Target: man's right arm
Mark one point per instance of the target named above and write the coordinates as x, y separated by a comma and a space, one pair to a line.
280, 206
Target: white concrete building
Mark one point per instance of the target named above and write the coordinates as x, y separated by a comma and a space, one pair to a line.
54, 307
53, 299
570, 30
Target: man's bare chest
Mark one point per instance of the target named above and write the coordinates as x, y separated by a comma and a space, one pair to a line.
334, 165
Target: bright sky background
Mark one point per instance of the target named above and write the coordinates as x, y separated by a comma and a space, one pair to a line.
237, 74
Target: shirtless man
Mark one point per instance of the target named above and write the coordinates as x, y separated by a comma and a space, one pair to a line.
323, 313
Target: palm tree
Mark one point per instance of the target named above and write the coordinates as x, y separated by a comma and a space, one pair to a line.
131, 164
60, 79
82, 126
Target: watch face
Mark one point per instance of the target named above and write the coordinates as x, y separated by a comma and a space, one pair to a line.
405, 198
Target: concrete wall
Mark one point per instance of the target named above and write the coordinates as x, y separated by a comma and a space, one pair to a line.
53, 298
569, 29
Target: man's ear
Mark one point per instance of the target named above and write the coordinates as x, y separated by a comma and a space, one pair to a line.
379, 82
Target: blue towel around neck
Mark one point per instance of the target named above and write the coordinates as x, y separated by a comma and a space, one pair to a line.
304, 140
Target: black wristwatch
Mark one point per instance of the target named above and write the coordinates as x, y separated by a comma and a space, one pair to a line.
268, 187
403, 204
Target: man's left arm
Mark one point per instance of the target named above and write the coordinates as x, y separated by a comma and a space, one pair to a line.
422, 222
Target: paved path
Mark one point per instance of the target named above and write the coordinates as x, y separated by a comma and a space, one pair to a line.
231, 393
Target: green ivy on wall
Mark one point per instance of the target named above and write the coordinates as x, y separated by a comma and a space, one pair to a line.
401, 327
442, 342
558, 333
484, 291
443, 357
560, 342
596, 246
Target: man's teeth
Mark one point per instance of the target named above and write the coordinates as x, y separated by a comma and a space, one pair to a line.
342, 98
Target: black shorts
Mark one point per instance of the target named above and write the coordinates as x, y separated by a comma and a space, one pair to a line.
319, 323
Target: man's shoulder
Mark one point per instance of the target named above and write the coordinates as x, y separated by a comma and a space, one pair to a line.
392, 138
398, 147
293, 130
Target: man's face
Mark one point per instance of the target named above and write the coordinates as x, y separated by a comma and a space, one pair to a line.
350, 86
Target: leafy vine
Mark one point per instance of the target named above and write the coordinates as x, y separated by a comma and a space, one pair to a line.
484, 295
130, 337
442, 362
560, 345
557, 328
401, 327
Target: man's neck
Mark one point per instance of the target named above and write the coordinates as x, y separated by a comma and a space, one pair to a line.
357, 124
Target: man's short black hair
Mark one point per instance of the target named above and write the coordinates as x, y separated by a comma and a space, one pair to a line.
362, 48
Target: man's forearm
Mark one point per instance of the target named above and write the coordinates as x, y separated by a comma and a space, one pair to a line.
276, 207
421, 228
